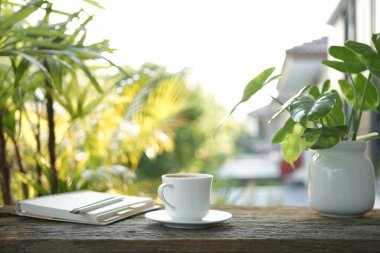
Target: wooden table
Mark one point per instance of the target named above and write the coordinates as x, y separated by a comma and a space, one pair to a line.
278, 229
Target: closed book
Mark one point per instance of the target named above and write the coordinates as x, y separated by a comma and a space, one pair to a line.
98, 208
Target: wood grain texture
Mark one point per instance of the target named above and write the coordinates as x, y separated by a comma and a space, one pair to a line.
277, 229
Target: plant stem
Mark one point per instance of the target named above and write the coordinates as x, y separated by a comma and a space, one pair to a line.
51, 143
21, 167
353, 116
4, 169
38, 145
349, 122
51, 140
362, 105
276, 100
37, 133
354, 88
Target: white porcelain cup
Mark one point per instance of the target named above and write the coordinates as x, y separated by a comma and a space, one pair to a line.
186, 195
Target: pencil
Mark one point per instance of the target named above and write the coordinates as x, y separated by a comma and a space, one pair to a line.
96, 205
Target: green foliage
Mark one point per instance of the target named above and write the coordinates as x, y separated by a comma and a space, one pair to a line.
285, 106
367, 55
323, 137
336, 116
292, 144
371, 101
317, 119
349, 60
284, 131
313, 110
256, 84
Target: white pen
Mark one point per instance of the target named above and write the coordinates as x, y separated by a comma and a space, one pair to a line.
96, 205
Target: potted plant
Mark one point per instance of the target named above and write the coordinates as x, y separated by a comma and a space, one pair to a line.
341, 178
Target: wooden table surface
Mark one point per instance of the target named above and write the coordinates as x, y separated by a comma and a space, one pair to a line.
272, 229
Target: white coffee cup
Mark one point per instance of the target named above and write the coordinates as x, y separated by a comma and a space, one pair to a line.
186, 195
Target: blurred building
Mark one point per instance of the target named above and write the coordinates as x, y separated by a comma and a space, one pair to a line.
357, 20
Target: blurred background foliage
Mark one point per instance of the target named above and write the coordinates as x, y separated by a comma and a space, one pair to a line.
70, 119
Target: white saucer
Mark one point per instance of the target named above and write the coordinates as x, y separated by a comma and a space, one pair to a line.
212, 218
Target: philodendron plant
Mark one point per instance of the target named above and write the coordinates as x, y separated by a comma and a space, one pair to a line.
317, 117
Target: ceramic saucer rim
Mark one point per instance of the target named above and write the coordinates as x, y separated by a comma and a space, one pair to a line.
190, 223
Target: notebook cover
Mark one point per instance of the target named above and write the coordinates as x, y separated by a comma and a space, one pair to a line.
58, 207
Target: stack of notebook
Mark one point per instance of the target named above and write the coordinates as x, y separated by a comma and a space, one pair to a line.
84, 207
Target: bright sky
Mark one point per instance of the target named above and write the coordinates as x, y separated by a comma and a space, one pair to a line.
224, 42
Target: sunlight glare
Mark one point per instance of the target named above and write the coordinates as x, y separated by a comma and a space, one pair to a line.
225, 43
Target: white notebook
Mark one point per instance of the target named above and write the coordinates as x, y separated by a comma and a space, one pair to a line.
59, 207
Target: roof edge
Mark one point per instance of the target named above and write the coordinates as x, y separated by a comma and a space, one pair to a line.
318, 46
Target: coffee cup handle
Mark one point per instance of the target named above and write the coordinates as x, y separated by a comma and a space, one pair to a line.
160, 191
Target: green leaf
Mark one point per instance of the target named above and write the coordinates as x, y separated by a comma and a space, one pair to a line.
87, 72
314, 92
251, 88
21, 71
81, 32
345, 67
326, 86
42, 43
56, 72
367, 55
376, 42
272, 78
344, 54
85, 53
94, 3
323, 138
21, 14
305, 106
9, 121
286, 129
6, 85
288, 102
32, 31
361, 49
371, 101
322, 106
256, 84
309, 137
337, 115
77, 61
29, 58
300, 107
102, 46
372, 98
292, 144
337, 65
348, 91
